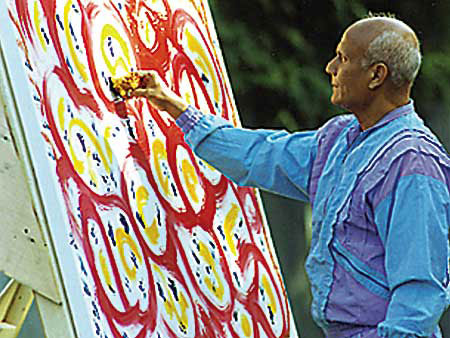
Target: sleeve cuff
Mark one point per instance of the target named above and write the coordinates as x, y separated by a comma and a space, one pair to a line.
189, 118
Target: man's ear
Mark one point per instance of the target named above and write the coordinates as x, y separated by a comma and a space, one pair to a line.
378, 74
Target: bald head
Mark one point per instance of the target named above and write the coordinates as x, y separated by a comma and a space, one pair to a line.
374, 26
391, 42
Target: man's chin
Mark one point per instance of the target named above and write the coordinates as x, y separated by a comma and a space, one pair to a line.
339, 103
334, 100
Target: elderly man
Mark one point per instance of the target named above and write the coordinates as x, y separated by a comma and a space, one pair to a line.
377, 179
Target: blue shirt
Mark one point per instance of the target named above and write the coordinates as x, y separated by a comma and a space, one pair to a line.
380, 199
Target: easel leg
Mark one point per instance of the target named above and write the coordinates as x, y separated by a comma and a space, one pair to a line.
15, 303
54, 320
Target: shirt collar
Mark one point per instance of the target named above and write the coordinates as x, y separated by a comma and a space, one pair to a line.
394, 114
356, 130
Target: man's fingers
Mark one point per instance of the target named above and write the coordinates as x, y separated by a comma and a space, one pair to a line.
140, 92
149, 93
148, 77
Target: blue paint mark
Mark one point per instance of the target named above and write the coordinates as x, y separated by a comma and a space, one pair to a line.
204, 78
141, 286
69, 65
97, 329
140, 220
86, 289
174, 189
59, 21
44, 34
27, 64
96, 158
83, 269
75, 9
160, 291
94, 128
158, 214
123, 221
72, 32
134, 260
111, 234
81, 139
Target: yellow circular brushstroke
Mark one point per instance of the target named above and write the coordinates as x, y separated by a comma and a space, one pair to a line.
37, 26
229, 224
78, 164
123, 238
269, 292
191, 179
160, 154
105, 270
219, 291
203, 61
151, 231
246, 326
169, 303
78, 65
109, 31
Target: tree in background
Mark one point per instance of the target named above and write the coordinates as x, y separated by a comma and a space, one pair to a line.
276, 52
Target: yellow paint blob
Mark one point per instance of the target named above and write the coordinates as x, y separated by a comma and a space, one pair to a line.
123, 238
106, 138
188, 97
191, 179
151, 231
61, 110
269, 292
246, 326
92, 173
78, 65
37, 26
105, 270
160, 154
229, 224
219, 290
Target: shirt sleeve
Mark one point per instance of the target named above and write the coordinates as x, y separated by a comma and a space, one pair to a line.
272, 160
413, 223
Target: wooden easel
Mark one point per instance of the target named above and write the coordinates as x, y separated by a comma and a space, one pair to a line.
26, 251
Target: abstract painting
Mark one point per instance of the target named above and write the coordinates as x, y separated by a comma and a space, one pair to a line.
164, 245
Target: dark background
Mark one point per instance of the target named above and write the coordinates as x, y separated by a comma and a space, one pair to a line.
276, 52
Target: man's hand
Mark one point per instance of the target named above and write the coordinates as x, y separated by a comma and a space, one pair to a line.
155, 90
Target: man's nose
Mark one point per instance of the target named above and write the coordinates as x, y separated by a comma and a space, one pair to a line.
331, 67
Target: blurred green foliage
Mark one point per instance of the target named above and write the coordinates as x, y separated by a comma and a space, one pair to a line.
276, 52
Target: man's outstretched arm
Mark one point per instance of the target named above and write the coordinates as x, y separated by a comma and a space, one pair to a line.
272, 160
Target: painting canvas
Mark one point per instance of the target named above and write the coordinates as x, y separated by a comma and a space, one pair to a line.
153, 241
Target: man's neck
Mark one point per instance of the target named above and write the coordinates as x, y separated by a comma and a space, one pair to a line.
370, 116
